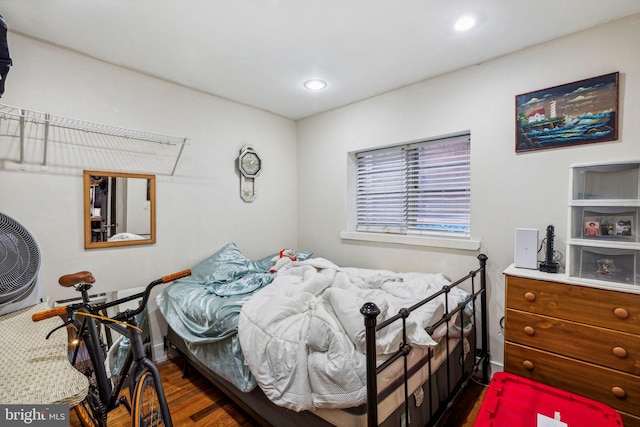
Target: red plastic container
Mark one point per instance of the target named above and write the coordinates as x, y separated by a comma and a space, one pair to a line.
513, 401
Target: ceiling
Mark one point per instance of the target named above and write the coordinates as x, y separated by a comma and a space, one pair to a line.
259, 52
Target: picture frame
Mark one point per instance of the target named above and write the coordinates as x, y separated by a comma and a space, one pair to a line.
624, 226
581, 112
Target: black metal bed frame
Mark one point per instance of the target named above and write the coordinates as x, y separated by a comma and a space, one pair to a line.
261, 409
370, 312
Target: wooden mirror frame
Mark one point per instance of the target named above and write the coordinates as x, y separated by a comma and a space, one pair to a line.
151, 194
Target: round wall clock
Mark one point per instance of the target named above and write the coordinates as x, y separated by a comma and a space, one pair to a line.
250, 165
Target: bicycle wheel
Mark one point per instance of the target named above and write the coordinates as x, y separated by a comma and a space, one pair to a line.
91, 411
146, 403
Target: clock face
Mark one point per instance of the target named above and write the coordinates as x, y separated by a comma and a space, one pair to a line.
250, 164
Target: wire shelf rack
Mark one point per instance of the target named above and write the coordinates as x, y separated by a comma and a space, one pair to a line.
32, 137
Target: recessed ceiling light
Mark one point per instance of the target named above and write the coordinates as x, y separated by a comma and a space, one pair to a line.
465, 23
315, 84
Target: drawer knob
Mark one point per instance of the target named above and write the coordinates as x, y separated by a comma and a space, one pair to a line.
529, 330
618, 392
530, 296
620, 352
621, 313
528, 365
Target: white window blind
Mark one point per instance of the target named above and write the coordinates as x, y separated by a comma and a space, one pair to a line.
417, 188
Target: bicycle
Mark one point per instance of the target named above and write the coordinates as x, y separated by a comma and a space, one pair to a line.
148, 403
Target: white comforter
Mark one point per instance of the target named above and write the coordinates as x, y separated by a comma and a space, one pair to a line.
303, 335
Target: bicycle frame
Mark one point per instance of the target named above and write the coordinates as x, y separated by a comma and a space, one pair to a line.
137, 367
135, 361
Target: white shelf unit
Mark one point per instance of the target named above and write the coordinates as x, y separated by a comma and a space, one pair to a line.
30, 137
603, 243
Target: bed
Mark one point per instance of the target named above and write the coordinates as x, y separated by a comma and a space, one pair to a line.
334, 341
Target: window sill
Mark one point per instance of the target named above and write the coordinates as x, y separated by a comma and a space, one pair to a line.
467, 245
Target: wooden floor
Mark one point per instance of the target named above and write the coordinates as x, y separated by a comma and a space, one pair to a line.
196, 402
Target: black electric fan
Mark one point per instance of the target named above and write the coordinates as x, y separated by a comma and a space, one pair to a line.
19, 266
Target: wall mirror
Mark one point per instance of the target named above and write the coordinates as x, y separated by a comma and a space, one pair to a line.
119, 209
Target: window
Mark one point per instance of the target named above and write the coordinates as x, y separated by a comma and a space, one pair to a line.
420, 188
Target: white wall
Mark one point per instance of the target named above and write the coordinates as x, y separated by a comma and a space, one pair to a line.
138, 207
509, 190
198, 209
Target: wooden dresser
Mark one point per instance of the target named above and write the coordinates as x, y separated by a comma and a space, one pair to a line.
579, 338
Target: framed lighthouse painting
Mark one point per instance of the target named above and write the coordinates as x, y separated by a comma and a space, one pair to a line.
581, 112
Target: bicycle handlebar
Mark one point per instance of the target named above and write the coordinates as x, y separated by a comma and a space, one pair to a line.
175, 276
62, 310
145, 295
58, 311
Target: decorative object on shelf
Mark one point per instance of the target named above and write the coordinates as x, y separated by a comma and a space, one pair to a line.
581, 112
44, 139
249, 165
606, 266
603, 243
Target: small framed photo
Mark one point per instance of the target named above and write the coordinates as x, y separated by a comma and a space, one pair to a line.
591, 228
624, 226
608, 226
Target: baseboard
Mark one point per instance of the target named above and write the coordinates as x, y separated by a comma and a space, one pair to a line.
496, 367
159, 354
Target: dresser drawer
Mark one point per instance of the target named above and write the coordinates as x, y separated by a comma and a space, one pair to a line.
629, 420
617, 350
598, 307
616, 389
